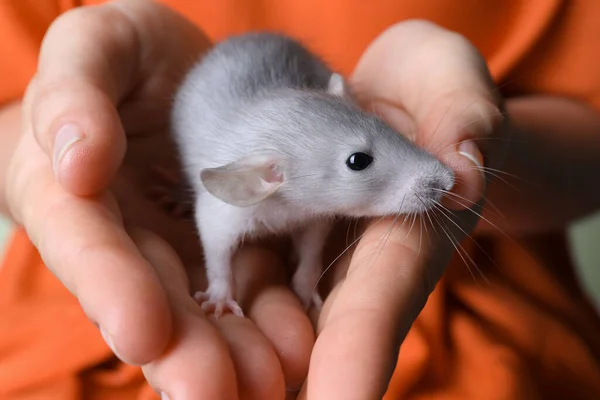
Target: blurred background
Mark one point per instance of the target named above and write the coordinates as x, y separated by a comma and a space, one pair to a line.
584, 242
5, 229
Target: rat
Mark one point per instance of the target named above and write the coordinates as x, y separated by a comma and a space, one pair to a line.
271, 142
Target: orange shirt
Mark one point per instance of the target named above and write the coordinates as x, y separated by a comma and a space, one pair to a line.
530, 333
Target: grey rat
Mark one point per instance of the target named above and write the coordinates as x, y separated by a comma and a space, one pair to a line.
272, 143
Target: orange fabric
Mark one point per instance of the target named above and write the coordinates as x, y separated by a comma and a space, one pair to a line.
528, 333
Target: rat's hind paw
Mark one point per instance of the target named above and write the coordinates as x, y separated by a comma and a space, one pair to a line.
312, 301
309, 298
217, 305
304, 287
317, 301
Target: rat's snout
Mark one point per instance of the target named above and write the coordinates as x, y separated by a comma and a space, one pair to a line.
433, 187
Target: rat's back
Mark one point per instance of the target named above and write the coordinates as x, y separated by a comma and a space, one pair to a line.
254, 62
226, 83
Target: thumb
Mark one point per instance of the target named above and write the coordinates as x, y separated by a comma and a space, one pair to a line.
71, 103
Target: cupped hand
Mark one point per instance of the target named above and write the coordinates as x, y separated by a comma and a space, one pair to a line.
433, 86
95, 123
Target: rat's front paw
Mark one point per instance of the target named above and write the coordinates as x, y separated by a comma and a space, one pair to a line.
167, 193
217, 304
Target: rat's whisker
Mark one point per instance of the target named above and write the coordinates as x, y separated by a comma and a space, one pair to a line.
420, 236
491, 223
441, 208
441, 147
385, 237
480, 139
427, 215
441, 120
454, 243
497, 89
414, 219
455, 197
422, 224
345, 251
342, 253
448, 214
463, 254
455, 130
480, 119
427, 210
508, 174
495, 175
485, 219
348, 233
461, 111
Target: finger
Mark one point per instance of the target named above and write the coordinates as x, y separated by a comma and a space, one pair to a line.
460, 152
82, 242
276, 311
257, 367
74, 104
259, 373
386, 287
197, 364
450, 106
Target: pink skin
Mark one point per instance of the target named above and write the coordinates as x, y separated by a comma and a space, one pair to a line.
144, 308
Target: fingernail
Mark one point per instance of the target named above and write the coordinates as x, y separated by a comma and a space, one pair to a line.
66, 137
469, 149
109, 341
164, 396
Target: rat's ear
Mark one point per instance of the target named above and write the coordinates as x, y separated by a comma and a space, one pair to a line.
337, 86
246, 181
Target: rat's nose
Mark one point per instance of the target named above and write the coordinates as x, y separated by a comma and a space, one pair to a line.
434, 187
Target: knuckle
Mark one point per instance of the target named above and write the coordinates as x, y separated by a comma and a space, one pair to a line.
428, 29
71, 21
493, 114
87, 27
414, 25
433, 37
457, 40
71, 36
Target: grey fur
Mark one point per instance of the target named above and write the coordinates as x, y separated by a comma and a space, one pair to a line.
265, 92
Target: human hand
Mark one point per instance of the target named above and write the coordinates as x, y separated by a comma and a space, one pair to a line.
432, 85
110, 70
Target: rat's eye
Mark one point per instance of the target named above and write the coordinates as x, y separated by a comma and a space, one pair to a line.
359, 161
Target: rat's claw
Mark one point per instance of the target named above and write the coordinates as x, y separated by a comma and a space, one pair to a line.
217, 305
165, 175
309, 299
162, 196
168, 202
303, 284
317, 301
156, 191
